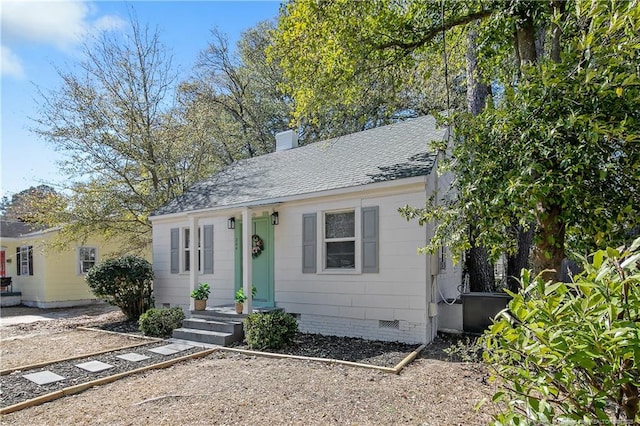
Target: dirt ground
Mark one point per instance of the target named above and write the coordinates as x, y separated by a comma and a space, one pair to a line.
227, 388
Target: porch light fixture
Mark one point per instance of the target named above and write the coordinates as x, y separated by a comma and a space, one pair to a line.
274, 218
231, 223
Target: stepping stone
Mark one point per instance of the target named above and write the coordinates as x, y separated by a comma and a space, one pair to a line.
179, 347
133, 357
43, 377
163, 350
94, 366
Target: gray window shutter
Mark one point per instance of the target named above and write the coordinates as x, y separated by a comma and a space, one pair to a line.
370, 261
18, 260
208, 249
309, 243
30, 260
175, 246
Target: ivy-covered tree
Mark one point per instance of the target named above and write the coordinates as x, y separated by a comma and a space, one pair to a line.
560, 68
561, 151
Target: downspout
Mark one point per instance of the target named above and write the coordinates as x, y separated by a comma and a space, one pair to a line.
247, 270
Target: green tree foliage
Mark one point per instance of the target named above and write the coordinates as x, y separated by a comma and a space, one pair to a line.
233, 101
568, 353
124, 159
558, 151
125, 282
27, 205
161, 322
357, 65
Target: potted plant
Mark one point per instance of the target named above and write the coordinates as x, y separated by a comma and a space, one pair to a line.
201, 294
240, 298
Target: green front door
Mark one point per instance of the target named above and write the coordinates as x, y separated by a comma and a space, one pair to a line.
262, 264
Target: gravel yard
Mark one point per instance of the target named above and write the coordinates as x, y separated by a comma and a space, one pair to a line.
232, 388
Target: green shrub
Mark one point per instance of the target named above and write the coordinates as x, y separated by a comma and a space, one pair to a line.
125, 282
269, 330
569, 353
160, 322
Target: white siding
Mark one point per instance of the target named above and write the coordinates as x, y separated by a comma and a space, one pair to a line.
352, 304
347, 304
174, 289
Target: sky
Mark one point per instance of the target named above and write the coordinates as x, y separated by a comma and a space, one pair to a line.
39, 37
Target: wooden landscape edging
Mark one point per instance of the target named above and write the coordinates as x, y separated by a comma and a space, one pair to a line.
104, 380
43, 363
137, 336
395, 370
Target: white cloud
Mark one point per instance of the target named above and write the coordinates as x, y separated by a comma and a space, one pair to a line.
61, 24
10, 64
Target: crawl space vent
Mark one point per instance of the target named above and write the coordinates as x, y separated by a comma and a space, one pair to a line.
389, 324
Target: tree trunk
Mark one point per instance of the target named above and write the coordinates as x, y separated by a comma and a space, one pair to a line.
556, 31
519, 260
476, 91
549, 249
481, 274
526, 39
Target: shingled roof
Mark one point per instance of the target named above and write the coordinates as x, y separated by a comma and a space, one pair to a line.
396, 151
15, 229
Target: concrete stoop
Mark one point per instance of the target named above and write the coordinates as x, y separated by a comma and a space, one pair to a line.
219, 325
210, 330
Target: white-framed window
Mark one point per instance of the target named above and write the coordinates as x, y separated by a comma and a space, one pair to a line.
24, 259
342, 241
87, 257
187, 243
339, 240
181, 249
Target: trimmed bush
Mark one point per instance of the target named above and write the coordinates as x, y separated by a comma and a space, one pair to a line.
125, 282
161, 322
568, 353
269, 330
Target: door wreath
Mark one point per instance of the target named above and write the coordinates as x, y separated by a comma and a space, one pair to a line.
257, 245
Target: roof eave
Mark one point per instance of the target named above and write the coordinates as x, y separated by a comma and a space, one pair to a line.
267, 202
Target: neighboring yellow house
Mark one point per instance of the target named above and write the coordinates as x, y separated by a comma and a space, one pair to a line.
44, 277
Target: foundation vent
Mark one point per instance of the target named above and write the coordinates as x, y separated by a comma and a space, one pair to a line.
389, 324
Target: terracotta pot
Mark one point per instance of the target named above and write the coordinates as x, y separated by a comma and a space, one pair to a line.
200, 305
238, 308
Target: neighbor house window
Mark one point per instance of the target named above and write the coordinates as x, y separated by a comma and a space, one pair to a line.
24, 258
340, 240
86, 258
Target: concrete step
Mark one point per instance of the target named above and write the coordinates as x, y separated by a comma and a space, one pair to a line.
217, 315
204, 336
232, 327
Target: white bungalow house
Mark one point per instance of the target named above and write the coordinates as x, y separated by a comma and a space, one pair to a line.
316, 229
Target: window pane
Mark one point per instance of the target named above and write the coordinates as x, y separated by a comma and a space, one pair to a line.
87, 258
341, 255
24, 260
187, 261
340, 225
186, 238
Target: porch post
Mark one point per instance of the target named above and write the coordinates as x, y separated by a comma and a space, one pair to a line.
193, 251
247, 279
